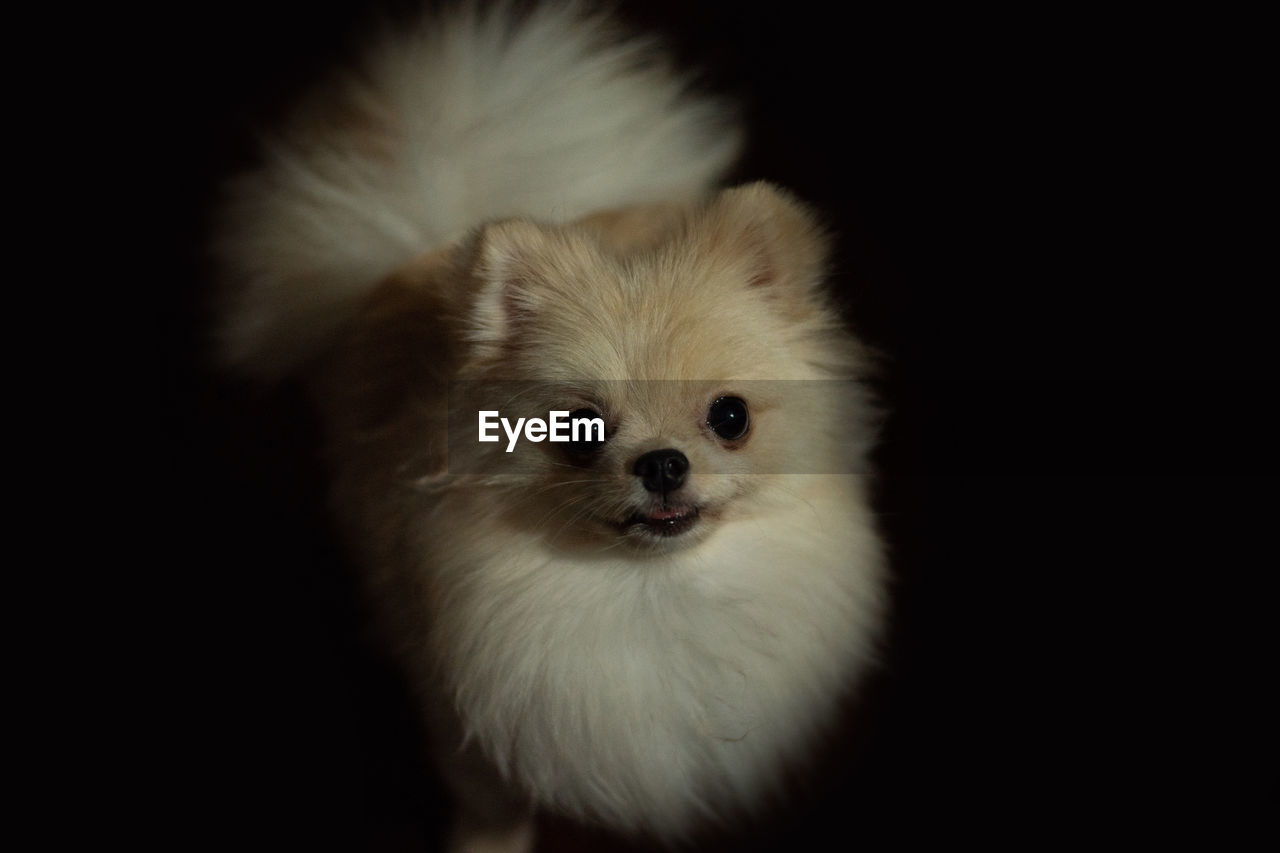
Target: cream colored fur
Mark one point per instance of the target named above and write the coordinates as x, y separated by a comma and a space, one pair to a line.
565, 660
470, 116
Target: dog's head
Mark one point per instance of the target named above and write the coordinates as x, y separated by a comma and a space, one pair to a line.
701, 342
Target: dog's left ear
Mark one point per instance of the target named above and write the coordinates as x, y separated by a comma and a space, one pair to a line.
774, 242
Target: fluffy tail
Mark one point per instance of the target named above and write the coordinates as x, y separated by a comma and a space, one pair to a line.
471, 116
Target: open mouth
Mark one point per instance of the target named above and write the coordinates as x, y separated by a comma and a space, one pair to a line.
665, 521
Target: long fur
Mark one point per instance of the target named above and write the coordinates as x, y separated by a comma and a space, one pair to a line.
475, 114
496, 201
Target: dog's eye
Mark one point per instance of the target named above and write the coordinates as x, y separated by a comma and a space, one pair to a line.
727, 417
586, 431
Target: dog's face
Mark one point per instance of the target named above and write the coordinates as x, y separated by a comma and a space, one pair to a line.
699, 352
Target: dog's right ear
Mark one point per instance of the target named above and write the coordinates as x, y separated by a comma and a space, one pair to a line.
504, 266
517, 267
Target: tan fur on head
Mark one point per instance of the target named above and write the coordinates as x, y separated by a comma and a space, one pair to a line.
748, 245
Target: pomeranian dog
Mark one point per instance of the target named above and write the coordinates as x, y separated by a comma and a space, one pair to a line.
501, 228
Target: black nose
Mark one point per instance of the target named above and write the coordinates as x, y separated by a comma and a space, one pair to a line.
662, 470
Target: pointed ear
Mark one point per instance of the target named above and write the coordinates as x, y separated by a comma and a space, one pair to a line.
510, 263
773, 239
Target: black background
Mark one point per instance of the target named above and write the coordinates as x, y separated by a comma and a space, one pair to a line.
1076, 470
